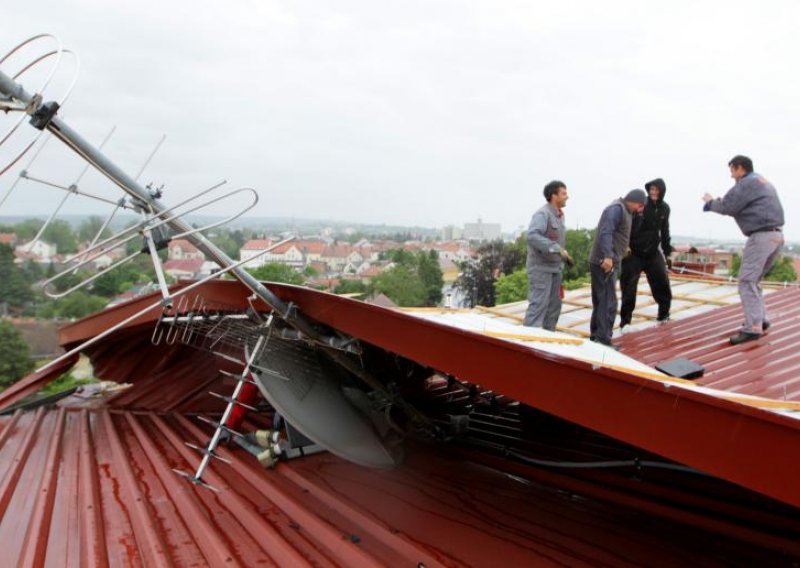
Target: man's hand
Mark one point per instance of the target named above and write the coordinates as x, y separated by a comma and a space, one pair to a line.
567, 257
607, 265
669, 263
708, 197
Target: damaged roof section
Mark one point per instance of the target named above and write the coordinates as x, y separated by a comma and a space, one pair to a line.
96, 488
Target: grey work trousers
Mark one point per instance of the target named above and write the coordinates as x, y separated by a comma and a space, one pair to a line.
544, 299
604, 303
760, 253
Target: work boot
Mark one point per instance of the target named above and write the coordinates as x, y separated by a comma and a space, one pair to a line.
744, 336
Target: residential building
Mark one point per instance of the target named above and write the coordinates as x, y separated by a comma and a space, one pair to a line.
481, 231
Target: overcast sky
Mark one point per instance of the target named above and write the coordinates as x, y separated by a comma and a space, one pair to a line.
428, 113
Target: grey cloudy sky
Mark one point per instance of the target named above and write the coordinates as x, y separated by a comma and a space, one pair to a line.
430, 112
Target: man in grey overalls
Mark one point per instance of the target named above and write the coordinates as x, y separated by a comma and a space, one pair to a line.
754, 205
610, 244
546, 255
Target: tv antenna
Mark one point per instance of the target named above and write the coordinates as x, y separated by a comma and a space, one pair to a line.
357, 443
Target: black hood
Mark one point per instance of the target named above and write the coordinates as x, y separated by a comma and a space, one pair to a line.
659, 183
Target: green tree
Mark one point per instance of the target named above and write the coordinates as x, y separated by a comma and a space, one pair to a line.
89, 228
277, 272
478, 275
15, 289
33, 271
229, 245
579, 245
27, 229
512, 287
78, 304
60, 233
423, 270
75, 305
401, 284
15, 360
399, 256
350, 287
430, 273
782, 271
119, 279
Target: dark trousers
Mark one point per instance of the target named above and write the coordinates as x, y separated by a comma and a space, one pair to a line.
655, 269
604, 303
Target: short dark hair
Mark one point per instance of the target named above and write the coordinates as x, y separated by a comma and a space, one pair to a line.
552, 188
741, 161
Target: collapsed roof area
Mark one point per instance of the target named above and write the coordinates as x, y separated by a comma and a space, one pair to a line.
494, 431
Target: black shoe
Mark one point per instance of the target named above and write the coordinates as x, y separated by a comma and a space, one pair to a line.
744, 336
765, 325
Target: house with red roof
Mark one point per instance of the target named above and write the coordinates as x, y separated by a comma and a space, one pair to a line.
251, 250
182, 249
184, 269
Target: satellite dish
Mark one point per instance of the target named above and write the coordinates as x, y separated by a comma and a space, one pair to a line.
310, 392
310, 378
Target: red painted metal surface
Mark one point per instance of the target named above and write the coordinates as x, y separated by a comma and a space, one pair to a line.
752, 447
769, 367
95, 488
755, 448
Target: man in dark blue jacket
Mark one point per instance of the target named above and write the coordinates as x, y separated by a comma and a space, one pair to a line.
648, 231
610, 243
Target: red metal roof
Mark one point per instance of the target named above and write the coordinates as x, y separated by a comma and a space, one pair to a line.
769, 367
257, 244
440, 508
762, 453
96, 488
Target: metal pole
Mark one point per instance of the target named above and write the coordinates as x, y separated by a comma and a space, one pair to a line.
63, 132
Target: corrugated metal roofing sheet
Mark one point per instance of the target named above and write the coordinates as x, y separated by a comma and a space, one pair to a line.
96, 488
168, 378
769, 367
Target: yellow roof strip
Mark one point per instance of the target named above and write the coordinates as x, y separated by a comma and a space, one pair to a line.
533, 338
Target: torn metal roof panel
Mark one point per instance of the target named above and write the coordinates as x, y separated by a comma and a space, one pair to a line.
96, 488
662, 416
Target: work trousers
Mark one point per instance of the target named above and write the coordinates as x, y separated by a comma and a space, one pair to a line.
544, 299
760, 253
604, 303
655, 269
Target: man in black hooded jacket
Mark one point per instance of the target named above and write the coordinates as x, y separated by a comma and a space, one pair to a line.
649, 231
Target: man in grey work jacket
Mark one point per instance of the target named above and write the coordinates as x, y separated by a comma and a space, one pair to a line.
754, 205
610, 244
546, 255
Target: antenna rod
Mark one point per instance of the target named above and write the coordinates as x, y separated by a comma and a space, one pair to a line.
44, 116
11, 90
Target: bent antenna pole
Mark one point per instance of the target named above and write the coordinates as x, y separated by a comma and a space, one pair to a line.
43, 116
59, 129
